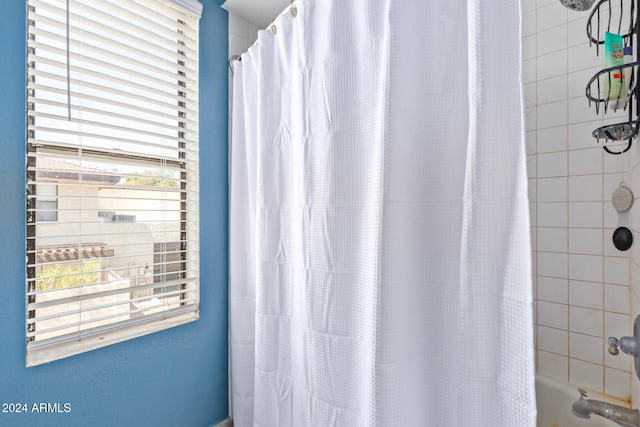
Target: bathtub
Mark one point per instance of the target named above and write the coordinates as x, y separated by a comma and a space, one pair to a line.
554, 401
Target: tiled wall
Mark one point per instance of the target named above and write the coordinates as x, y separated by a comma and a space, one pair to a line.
242, 34
582, 283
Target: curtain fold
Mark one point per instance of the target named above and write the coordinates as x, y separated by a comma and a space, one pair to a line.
242, 253
380, 254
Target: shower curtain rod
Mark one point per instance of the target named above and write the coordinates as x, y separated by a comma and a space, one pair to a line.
291, 9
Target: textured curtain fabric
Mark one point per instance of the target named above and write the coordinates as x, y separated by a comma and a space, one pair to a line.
380, 254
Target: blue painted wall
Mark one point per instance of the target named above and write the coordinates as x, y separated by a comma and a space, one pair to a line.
176, 377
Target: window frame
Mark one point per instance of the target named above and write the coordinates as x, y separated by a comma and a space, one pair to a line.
63, 346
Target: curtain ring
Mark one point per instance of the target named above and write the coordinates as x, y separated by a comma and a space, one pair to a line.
274, 29
293, 11
232, 59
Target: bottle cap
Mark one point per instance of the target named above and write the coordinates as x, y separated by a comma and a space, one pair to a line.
628, 50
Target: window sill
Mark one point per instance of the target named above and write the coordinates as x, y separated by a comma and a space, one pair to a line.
48, 351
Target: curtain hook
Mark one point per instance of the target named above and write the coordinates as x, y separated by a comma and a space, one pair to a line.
292, 9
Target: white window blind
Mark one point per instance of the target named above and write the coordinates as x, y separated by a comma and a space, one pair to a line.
113, 127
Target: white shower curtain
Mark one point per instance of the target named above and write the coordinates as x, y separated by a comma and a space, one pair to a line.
380, 254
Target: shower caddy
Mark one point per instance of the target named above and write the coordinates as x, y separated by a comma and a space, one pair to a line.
627, 130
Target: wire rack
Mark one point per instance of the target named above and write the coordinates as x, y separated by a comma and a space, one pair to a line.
620, 17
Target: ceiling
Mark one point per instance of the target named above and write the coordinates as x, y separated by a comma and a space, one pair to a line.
259, 12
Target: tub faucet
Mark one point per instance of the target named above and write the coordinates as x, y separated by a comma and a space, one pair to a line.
626, 417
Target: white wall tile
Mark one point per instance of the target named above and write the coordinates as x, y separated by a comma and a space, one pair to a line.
552, 164
613, 164
576, 33
553, 289
528, 24
610, 218
552, 239
634, 253
580, 135
586, 374
635, 172
635, 391
617, 325
531, 118
585, 214
553, 264
616, 270
585, 162
586, 188
550, 65
585, 321
552, 189
529, 47
552, 139
532, 162
531, 137
580, 111
553, 365
552, 89
581, 57
630, 160
586, 348
532, 189
552, 114
635, 284
586, 241
633, 218
550, 16
617, 362
528, 5
577, 82
585, 294
617, 299
530, 94
585, 267
552, 315
617, 383
542, 3
552, 214
529, 70
552, 40
553, 340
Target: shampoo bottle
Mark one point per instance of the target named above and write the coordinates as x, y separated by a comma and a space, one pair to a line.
621, 102
614, 82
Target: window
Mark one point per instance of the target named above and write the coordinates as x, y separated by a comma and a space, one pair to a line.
46, 202
112, 172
